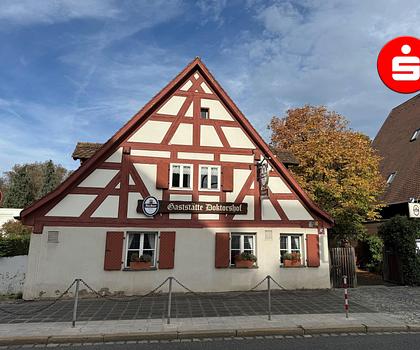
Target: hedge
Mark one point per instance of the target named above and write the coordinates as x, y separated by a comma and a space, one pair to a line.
12, 246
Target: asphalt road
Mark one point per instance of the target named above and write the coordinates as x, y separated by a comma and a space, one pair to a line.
325, 342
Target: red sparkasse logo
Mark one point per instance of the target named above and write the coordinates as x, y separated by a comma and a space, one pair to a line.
399, 64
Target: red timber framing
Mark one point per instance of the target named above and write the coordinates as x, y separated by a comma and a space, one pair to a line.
120, 185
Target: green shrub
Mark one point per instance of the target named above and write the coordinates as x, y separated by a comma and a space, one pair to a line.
14, 245
400, 233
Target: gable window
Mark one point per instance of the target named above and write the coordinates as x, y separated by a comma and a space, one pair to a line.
290, 244
239, 243
181, 176
415, 135
141, 243
209, 177
391, 178
205, 113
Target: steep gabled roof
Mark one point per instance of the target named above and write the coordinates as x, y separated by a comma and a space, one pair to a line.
145, 112
400, 155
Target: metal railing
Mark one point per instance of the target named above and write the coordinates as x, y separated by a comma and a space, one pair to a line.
170, 280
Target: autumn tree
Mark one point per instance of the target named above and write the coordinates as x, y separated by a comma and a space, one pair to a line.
337, 167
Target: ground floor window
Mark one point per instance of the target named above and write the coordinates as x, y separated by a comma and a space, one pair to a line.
141, 243
290, 246
239, 243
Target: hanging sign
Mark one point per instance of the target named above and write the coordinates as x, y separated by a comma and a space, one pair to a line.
183, 207
262, 173
414, 210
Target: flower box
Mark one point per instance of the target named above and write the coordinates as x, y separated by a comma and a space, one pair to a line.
140, 265
291, 263
244, 263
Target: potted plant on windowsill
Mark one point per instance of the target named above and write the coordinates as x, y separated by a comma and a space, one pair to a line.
291, 260
245, 260
142, 262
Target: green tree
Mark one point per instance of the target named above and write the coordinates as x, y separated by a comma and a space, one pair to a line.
51, 180
337, 167
20, 192
400, 234
43, 176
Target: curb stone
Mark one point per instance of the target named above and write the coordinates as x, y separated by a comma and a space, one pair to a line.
335, 329
381, 328
204, 334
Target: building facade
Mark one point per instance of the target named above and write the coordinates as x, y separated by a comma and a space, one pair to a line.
186, 185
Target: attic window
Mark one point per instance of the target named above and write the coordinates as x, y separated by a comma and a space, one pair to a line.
415, 135
391, 178
205, 113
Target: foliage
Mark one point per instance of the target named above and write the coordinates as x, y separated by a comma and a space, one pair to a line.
400, 234
375, 245
51, 178
13, 228
20, 192
135, 257
287, 256
28, 182
337, 167
145, 258
247, 256
14, 245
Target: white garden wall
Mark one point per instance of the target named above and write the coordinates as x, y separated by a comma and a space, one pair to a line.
12, 274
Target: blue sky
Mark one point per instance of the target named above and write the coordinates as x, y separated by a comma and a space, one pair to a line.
76, 70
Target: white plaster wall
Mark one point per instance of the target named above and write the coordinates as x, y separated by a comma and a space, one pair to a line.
72, 205
108, 208
183, 135
294, 210
152, 131
147, 153
12, 274
237, 158
195, 156
172, 106
237, 138
116, 156
217, 110
99, 178
277, 185
209, 137
80, 254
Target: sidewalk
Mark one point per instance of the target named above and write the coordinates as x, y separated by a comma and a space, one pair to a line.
204, 327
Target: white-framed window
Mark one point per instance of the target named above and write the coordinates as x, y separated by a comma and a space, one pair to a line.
141, 243
209, 177
239, 243
415, 135
291, 244
181, 176
391, 178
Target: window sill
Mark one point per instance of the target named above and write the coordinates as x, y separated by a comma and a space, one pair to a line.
243, 268
292, 267
132, 270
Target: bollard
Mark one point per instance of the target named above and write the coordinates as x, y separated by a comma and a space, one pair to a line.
269, 296
76, 300
169, 301
346, 298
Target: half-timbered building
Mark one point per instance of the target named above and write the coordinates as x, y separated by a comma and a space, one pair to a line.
186, 186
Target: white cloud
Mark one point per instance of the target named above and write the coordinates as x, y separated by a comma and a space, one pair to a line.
320, 52
26, 12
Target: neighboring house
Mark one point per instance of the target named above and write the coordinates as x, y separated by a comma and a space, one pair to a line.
193, 151
7, 214
398, 143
